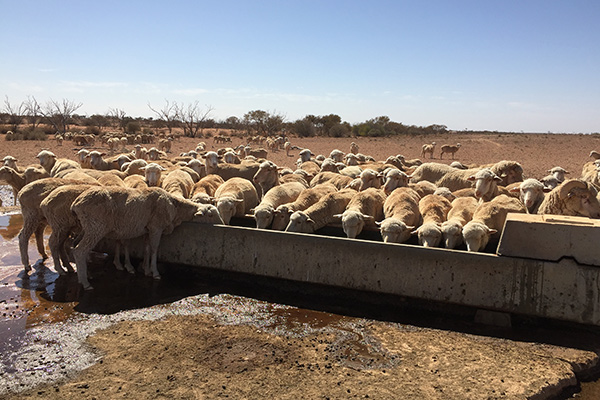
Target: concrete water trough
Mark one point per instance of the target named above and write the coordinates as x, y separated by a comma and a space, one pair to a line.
519, 278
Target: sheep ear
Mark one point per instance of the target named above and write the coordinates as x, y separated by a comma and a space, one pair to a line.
497, 178
378, 223
471, 178
547, 189
410, 227
338, 215
368, 217
415, 232
515, 189
492, 231
238, 201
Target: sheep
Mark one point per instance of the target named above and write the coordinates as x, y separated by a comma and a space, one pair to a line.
353, 148
81, 175
116, 162
352, 171
434, 210
305, 155
258, 152
205, 188
394, 178
595, 155
458, 165
574, 197
111, 180
10, 161
198, 166
306, 198
178, 183
321, 213
509, 171
311, 167
368, 178
53, 165
122, 213
135, 182
134, 167
56, 209
154, 154
245, 170
153, 174
488, 220
428, 149
30, 198
450, 149
339, 181
276, 196
337, 155
423, 188
591, 173
364, 207
445, 192
235, 198
267, 176
293, 178
461, 212
486, 184
351, 159
329, 165
402, 215
531, 193
19, 179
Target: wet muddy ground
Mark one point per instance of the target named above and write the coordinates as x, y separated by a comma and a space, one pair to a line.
205, 334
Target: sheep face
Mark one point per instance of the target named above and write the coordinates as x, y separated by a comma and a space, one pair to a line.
197, 166
395, 179
337, 155
351, 159
263, 216
230, 157
452, 234
300, 222
353, 222
531, 193
47, 159
202, 198
281, 218
485, 182
227, 207
394, 231
96, 159
267, 175
582, 202
305, 155
476, 235
152, 172
430, 234
207, 214
369, 178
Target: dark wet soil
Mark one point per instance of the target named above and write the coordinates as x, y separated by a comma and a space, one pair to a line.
206, 334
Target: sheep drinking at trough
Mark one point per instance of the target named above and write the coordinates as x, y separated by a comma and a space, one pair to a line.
402, 215
235, 198
488, 219
461, 212
321, 213
364, 207
434, 209
308, 197
276, 196
122, 213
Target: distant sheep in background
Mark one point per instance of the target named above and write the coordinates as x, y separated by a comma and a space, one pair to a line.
449, 149
428, 149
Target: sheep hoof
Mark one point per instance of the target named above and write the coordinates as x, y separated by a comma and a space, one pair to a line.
156, 277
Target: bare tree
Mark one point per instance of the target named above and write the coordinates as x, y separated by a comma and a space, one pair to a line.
119, 116
34, 111
58, 114
169, 114
15, 113
193, 118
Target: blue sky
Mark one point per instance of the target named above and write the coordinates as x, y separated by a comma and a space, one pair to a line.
497, 65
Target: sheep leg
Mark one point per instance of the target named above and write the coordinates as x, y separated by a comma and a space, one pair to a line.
117, 259
154, 241
64, 256
55, 244
29, 226
81, 252
128, 266
146, 262
15, 195
39, 239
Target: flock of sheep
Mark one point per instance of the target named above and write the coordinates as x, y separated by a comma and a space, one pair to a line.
145, 193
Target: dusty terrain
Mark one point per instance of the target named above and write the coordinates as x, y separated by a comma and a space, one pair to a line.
198, 357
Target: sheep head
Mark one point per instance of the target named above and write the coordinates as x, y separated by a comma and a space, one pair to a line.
394, 231
579, 198
430, 234
477, 235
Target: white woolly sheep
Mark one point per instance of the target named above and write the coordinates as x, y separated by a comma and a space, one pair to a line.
486, 184
339, 181
134, 167
394, 178
267, 176
337, 155
449, 149
595, 155
53, 165
369, 178
308, 197
353, 148
235, 198
276, 196
574, 197
364, 207
488, 220
19, 179
246, 169
401, 212
121, 214
461, 212
135, 182
321, 213
531, 193
178, 183
434, 210
205, 188
305, 155
428, 149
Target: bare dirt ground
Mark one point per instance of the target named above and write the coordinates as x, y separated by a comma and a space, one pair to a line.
196, 357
